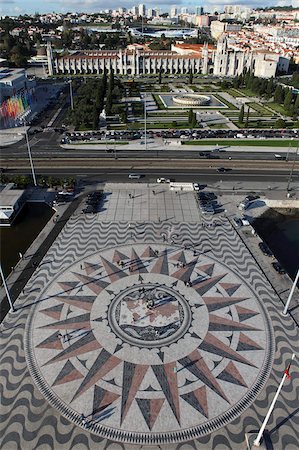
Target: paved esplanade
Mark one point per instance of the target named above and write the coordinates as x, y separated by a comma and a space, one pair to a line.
151, 330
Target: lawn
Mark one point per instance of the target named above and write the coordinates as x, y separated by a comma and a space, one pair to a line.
225, 102
260, 109
245, 142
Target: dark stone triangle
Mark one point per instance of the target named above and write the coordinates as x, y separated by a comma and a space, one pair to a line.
113, 272
174, 283
150, 409
95, 285
117, 348
100, 319
148, 253
213, 345
91, 267
140, 278
214, 303
53, 342
68, 373
180, 256
102, 399
150, 389
246, 344
187, 382
161, 355
197, 366
167, 378
198, 400
86, 344
217, 323
103, 364
132, 378
161, 265
232, 375
207, 268
230, 288
245, 313
204, 286
53, 312
184, 273
136, 263
68, 285
77, 322
83, 302
118, 256
195, 335
110, 292
144, 406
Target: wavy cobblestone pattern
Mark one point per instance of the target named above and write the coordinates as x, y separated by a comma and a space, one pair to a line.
29, 422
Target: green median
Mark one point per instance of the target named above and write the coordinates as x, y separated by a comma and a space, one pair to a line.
244, 142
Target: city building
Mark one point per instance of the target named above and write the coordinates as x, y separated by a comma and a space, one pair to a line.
218, 28
225, 60
141, 9
232, 62
13, 82
173, 12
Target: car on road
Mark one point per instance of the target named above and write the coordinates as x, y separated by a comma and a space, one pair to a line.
163, 180
278, 268
135, 176
265, 249
222, 169
212, 156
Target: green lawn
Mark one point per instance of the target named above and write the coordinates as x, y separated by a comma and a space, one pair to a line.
260, 109
101, 143
277, 107
225, 102
246, 142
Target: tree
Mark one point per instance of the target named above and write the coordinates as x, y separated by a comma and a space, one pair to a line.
160, 76
190, 76
296, 106
288, 101
247, 117
279, 94
280, 123
241, 114
190, 116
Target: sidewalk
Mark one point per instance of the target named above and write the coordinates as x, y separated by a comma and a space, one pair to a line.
18, 278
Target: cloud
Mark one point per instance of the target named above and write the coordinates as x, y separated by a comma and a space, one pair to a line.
8, 2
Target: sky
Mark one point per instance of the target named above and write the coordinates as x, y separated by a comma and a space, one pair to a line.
16, 7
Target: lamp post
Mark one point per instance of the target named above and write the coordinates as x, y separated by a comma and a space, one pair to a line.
145, 138
30, 158
285, 311
71, 94
6, 289
292, 169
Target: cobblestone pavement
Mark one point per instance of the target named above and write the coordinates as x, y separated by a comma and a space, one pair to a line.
162, 333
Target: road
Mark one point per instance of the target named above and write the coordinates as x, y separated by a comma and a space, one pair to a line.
46, 145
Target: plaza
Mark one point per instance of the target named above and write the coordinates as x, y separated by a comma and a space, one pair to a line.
146, 325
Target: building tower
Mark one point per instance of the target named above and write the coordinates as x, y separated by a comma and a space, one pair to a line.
205, 57
50, 59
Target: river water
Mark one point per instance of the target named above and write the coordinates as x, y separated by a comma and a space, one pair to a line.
281, 233
22, 233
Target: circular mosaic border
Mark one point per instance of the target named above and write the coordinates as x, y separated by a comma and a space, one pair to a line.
150, 438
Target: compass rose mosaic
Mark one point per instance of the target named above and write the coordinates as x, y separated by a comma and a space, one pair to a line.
150, 343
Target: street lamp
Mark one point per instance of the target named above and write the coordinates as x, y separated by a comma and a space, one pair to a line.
71, 94
6, 289
145, 139
292, 169
30, 158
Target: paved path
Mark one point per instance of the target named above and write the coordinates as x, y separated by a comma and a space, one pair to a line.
219, 389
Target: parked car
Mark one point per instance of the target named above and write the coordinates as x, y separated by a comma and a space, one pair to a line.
163, 180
